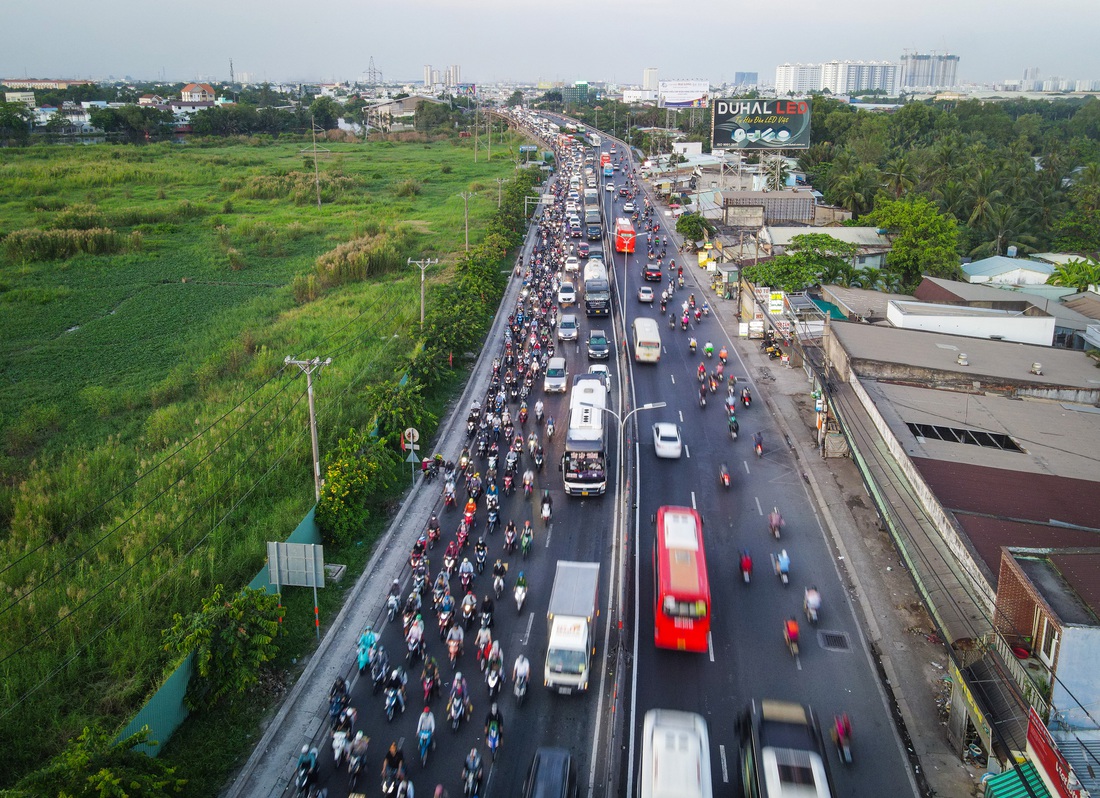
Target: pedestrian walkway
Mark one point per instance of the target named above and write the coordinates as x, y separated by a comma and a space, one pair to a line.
912, 661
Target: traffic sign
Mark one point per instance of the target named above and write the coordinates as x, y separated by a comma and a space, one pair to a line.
412, 458
528, 148
412, 435
548, 199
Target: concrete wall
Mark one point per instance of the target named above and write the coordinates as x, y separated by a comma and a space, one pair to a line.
1037, 330
1077, 685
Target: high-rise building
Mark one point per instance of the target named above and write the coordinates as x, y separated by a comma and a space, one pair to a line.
928, 71
797, 78
853, 77
455, 75
427, 75
576, 94
649, 79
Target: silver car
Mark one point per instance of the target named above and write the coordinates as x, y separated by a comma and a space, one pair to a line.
568, 327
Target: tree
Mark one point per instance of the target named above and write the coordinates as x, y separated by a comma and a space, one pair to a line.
788, 273
693, 227
15, 122
326, 111
514, 99
1079, 274
924, 241
230, 638
900, 174
358, 471
94, 766
1079, 229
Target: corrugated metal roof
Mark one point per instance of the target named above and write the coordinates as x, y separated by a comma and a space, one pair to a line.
1010, 784
999, 264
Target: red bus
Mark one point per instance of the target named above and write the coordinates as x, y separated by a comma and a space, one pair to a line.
681, 592
624, 235
605, 158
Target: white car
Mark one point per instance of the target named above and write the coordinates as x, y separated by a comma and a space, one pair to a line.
628, 207
609, 187
666, 440
567, 295
601, 371
645, 294
572, 265
568, 328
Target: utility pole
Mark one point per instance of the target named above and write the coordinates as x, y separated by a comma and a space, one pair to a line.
466, 195
477, 106
423, 264
500, 186
489, 131
309, 366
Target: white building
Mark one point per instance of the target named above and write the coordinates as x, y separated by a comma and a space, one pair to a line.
649, 79
797, 79
853, 77
929, 71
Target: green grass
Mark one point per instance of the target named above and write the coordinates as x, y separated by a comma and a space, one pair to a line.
151, 440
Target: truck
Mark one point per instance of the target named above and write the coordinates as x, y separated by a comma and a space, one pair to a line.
591, 198
592, 215
571, 625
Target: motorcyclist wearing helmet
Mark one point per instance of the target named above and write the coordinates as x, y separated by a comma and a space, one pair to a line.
396, 681
522, 668
521, 580
448, 602
472, 764
487, 605
395, 589
359, 745
308, 757
469, 600
471, 506
495, 716
467, 568
368, 638
499, 569
426, 722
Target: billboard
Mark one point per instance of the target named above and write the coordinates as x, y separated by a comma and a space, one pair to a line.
760, 124
683, 93
466, 90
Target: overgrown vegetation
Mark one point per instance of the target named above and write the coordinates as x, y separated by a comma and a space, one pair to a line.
153, 437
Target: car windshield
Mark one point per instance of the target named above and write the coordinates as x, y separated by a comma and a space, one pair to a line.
667, 437
568, 324
599, 340
562, 661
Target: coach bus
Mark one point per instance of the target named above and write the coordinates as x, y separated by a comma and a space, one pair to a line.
584, 463
624, 235
681, 593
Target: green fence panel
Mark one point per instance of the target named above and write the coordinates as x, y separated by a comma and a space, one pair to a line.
305, 532
164, 712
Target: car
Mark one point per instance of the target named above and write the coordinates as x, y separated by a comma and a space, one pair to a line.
609, 187
575, 232
568, 327
572, 265
574, 220
603, 372
645, 294
676, 758
552, 775
556, 377
628, 207
666, 440
594, 232
598, 346
570, 207
582, 249
782, 742
567, 294
651, 271
624, 192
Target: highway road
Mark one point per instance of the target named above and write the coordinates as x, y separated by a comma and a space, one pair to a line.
747, 657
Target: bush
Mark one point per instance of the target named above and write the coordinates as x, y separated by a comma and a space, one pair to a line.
35, 245
407, 188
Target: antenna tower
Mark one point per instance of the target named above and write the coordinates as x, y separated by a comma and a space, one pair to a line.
374, 75
231, 78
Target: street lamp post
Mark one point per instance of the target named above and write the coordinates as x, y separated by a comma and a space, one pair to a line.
622, 421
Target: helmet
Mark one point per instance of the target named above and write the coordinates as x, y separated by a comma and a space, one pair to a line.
358, 736
458, 676
305, 749
521, 574
481, 541
427, 711
493, 709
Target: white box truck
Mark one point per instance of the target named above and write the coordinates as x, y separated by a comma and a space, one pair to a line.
571, 623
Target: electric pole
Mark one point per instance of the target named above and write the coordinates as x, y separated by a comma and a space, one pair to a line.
423, 264
466, 195
500, 186
309, 366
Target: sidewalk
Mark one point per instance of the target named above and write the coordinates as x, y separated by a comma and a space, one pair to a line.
894, 620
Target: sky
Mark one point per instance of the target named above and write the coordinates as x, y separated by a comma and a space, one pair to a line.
566, 40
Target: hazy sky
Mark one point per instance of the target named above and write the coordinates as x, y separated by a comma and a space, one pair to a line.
564, 40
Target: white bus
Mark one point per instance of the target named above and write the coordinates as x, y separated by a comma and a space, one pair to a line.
584, 464
647, 340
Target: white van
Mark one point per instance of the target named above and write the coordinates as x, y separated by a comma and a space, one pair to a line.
556, 378
647, 340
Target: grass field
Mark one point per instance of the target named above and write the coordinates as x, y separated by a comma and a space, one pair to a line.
152, 436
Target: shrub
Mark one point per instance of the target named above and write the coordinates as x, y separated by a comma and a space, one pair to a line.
34, 245
407, 188
236, 260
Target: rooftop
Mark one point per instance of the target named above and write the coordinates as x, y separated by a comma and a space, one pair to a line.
999, 264
1060, 577
861, 236
912, 352
860, 303
938, 289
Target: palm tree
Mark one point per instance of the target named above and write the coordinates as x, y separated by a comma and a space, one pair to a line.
984, 193
871, 278
951, 197
900, 174
856, 190
1004, 224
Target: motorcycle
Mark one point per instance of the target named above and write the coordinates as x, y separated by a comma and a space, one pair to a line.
433, 536
444, 622
454, 650
526, 538
493, 680
479, 557
391, 702
549, 429
493, 521
363, 655
782, 567
509, 484
393, 606
811, 605
746, 566
724, 475
355, 767
528, 486
468, 613
425, 744
842, 738
759, 449
455, 712
702, 400
509, 540
449, 564
449, 499
378, 668
305, 776
416, 648
692, 346
684, 323
467, 579
520, 593
746, 398
547, 511
492, 739
539, 460
470, 783
340, 746
430, 686
463, 534
520, 689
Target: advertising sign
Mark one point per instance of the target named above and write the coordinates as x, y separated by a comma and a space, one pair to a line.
1045, 752
760, 124
683, 93
466, 90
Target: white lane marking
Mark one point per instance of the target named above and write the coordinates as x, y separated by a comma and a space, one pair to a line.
798, 661
725, 771
681, 414
549, 529
759, 509
687, 451
746, 462
673, 378
710, 646
527, 634
693, 507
